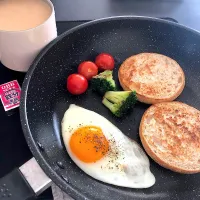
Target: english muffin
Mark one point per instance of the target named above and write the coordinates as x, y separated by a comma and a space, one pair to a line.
170, 134
155, 77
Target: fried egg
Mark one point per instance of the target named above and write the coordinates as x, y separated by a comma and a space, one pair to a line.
102, 151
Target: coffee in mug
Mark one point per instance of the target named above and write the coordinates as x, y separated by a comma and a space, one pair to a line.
26, 27
19, 15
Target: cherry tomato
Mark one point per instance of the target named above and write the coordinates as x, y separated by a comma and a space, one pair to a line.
88, 69
77, 84
105, 61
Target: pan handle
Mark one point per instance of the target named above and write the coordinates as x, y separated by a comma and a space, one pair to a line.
24, 183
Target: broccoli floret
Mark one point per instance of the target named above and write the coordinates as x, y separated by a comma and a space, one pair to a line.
119, 102
103, 82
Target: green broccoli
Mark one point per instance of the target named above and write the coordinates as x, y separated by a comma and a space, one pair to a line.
103, 82
119, 102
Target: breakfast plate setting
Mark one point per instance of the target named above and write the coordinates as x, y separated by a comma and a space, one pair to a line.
110, 110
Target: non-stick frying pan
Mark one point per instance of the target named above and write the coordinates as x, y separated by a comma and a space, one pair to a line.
45, 99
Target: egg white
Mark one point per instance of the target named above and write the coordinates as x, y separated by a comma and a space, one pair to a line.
124, 165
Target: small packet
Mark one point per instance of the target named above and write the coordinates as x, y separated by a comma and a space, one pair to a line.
10, 95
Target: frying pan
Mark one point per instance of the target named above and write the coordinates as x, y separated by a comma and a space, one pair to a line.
45, 99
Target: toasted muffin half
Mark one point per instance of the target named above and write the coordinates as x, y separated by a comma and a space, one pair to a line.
170, 134
155, 77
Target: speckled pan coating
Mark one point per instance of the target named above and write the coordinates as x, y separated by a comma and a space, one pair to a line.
44, 100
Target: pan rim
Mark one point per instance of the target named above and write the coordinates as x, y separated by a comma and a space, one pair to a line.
55, 177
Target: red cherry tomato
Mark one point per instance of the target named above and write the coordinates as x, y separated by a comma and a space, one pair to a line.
88, 69
77, 84
105, 61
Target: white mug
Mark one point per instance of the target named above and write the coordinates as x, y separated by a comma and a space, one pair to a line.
18, 49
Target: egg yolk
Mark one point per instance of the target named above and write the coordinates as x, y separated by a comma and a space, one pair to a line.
89, 144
